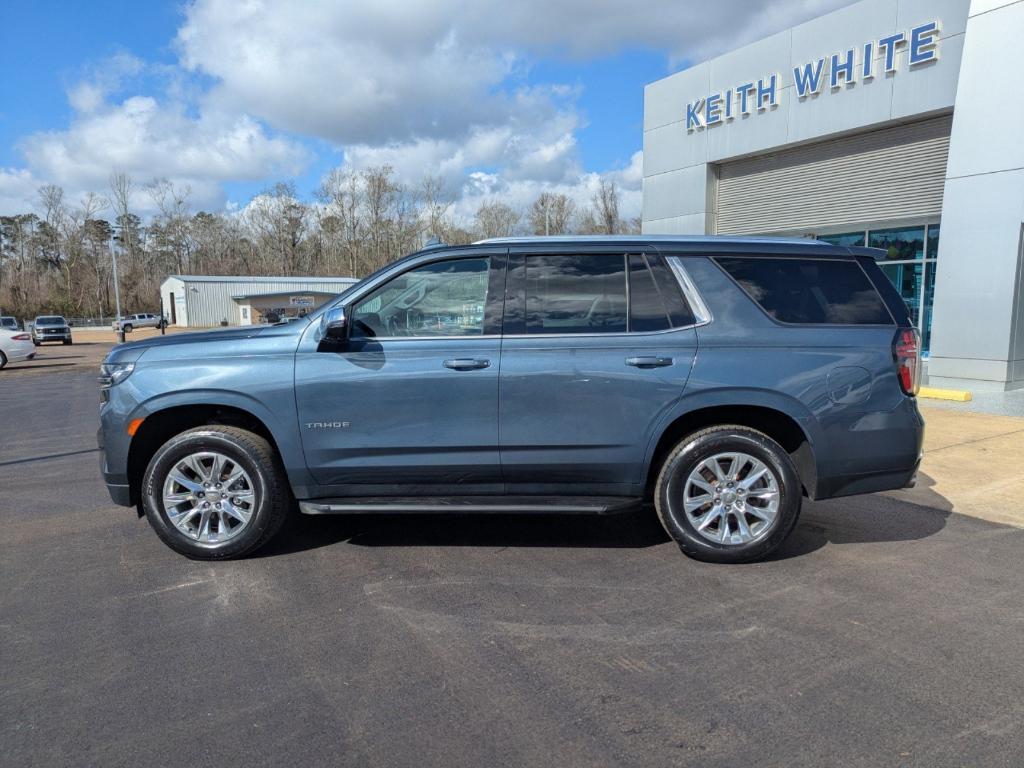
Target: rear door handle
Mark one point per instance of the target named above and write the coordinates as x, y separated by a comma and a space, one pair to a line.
649, 362
466, 364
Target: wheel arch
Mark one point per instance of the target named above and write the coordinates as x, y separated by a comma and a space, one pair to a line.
777, 420
161, 425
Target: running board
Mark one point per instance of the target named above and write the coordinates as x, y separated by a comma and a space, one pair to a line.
594, 505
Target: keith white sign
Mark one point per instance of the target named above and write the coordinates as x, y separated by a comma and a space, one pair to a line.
844, 68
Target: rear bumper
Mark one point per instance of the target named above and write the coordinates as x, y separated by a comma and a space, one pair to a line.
21, 351
880, 452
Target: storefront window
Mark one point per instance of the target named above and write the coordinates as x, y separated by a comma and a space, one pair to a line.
933, 240
846, 238
929, 299
903, 244
907, 279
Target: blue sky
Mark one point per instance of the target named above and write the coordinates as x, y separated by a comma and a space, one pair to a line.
226, 98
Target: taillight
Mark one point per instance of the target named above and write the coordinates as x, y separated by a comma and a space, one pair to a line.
906, 351
22, 337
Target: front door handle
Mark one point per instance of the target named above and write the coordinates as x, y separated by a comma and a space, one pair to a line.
649, 362
466, 364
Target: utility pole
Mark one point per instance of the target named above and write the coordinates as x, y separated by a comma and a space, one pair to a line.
117, 290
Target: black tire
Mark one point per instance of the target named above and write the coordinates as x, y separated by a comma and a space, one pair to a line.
3, 360
255, 455
36, 343
68, 341
128, 328
687, 456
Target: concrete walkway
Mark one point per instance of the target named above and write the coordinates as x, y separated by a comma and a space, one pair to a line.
972, 465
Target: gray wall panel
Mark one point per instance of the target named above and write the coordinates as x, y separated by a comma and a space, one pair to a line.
895, 173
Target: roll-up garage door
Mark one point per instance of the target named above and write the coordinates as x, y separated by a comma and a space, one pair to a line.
894, 173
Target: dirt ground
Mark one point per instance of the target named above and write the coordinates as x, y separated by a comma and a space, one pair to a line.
87, 352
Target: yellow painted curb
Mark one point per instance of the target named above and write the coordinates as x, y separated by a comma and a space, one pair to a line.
956, 395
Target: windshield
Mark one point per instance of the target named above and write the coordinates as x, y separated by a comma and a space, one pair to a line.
50, 320
8, 322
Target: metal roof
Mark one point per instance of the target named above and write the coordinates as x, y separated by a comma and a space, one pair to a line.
283, 293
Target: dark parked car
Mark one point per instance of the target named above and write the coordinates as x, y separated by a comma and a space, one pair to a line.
50, 328
722, 378
9, 323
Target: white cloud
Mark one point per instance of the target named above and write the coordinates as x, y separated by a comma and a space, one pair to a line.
442, 88
148, 138
17, 191
379, 71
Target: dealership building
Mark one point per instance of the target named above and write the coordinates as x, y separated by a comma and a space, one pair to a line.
200, 301
897, 124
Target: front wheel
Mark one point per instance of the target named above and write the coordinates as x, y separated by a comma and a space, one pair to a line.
728, 494
128, 328
215, 492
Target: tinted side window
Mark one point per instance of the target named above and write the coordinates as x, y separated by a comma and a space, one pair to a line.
445, 298
576, 294
809, 291
646, 309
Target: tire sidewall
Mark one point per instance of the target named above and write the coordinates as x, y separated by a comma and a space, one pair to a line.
152, 494
697, 448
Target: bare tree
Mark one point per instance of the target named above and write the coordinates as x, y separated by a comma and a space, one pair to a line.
551, 214
494, 219
436, 202
172, 222
342, 195
606, 207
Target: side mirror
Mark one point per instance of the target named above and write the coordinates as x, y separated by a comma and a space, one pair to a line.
335, 324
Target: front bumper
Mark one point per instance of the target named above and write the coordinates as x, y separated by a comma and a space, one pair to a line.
116, 482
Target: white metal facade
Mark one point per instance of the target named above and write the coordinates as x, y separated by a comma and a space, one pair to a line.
206, 301
917, 144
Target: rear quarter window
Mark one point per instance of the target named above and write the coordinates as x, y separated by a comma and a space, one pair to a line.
809, 291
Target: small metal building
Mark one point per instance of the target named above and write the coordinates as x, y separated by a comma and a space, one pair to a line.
197, 301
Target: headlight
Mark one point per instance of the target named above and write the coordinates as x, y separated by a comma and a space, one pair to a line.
114, 373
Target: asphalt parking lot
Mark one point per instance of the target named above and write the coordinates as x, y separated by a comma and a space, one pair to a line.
885, 633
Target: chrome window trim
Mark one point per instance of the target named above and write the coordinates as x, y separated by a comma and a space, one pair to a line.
423, 338
701, 314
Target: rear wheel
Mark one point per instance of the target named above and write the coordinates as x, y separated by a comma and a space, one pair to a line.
127, 327
215, 492
3, 360
728, 494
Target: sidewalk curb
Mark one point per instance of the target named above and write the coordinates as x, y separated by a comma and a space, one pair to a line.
956, 395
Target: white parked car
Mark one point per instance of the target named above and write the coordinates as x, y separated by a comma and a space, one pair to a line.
15, 346
143, 320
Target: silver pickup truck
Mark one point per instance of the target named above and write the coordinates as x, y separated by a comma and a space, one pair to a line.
131, 322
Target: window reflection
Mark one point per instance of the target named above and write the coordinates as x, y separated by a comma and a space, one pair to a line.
844, 238
933, 240
902, 244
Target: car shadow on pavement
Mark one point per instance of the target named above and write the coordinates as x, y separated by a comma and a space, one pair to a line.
855, 520
871, 519
33, 366
634, 529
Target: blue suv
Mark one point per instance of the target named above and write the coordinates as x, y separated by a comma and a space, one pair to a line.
722, 378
